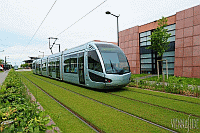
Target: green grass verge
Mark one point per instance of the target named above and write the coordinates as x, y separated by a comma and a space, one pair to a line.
105, 118
158, 115
66, 121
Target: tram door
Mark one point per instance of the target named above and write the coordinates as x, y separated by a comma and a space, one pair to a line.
81, 68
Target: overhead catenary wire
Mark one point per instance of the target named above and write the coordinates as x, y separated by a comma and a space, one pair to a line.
82, 17
42, 21
40, 25
66, 28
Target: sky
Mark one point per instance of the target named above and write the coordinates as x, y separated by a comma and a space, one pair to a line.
20, 19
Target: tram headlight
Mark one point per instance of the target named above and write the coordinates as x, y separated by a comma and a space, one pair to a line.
108, 80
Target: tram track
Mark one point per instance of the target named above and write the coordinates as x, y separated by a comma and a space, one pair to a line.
155, 105
132, 100
122, 111
160, 96
89, 124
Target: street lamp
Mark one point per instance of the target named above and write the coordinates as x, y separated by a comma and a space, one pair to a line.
42, 52
117, 25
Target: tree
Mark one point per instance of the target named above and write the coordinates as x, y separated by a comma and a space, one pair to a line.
25, 65
1, 61
159, 38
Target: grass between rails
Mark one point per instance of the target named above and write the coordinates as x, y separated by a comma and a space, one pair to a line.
189, 108
66, 121
155, 114
107, 119
167, 95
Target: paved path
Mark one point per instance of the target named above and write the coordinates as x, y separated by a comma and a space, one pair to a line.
148, 76
19, 70
3, 76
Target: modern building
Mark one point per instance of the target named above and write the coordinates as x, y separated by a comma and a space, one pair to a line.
30, 62
183, 56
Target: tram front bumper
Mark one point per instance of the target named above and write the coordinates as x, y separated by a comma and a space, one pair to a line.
118, 81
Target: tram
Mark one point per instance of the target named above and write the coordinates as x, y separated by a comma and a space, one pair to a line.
98, 65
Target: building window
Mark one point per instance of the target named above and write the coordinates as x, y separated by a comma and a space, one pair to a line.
148, 58
145, 54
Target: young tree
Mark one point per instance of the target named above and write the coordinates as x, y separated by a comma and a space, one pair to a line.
1, 61
159, 38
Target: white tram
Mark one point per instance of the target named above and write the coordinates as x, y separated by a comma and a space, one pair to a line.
95, 64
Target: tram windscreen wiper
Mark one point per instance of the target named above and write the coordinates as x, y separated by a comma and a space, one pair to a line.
111, 65
117, 70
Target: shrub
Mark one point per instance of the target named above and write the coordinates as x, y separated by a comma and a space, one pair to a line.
17, 113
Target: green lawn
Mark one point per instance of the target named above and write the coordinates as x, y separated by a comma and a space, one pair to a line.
183, 106
155, 114
105, 118
63, 118
166, 95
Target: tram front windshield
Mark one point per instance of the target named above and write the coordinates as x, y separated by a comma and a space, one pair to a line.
115, 61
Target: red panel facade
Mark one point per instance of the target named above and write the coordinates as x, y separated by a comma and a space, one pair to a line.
187, 45
129, 43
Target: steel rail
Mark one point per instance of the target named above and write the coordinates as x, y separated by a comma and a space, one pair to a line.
155, 105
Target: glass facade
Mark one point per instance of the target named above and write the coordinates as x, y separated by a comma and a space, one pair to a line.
148, 58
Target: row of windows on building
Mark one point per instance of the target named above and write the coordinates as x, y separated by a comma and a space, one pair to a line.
148, 58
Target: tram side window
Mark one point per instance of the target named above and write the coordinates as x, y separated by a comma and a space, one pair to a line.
94, 62
33, 66
53, 66
50, 66
70, 65
67, 66
44, 67
73, 65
